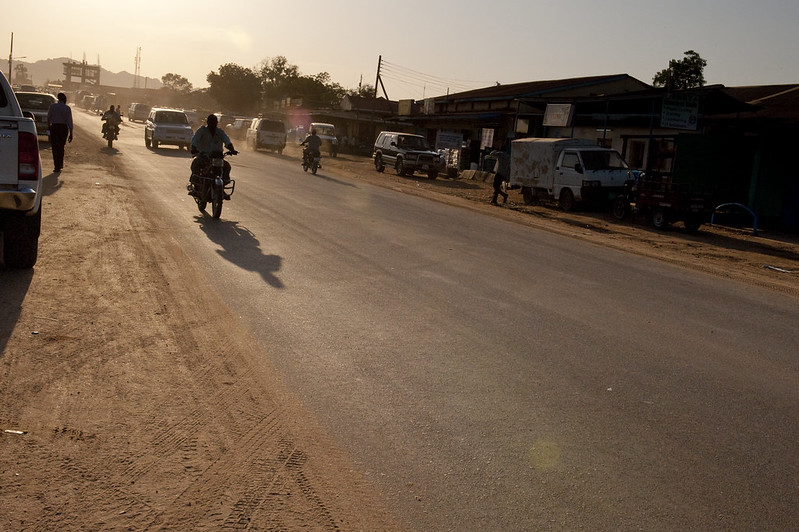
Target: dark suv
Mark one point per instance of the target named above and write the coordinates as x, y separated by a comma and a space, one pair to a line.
407, 153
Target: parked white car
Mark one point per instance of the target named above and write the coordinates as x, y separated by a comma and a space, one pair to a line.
20, 182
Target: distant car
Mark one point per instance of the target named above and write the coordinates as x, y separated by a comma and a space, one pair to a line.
193, 117
238, 129
267, 133
224, 120
327, 133
138, 112
406, 153
167, 126
36, 103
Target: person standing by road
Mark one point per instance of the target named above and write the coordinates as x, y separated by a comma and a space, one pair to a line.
502, 172
59, 121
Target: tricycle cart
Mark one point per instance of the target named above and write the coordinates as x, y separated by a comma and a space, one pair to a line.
664, 203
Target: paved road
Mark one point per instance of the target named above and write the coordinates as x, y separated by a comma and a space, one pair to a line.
489, 376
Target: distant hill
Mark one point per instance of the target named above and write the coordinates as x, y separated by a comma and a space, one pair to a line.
51, 70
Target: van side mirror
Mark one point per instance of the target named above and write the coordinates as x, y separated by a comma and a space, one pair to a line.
578, 168
28, 114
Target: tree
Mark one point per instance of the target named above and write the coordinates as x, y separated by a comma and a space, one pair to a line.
280, 79
236, 88
684, 74
176, 82
277, 76
363, 90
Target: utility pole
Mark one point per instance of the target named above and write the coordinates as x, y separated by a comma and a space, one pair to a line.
380, 80
137, 69
374, 96
10, 54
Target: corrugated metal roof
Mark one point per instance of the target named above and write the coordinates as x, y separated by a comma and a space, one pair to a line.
532, 89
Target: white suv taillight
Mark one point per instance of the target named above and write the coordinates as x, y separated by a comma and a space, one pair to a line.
28, 156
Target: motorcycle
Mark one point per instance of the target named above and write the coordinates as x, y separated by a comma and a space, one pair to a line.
208, 186
111, 128
312, 160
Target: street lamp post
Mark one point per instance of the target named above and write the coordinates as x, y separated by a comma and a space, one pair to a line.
11, 57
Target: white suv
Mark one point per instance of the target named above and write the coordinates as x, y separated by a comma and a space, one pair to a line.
167, 126
267, 133
327, 134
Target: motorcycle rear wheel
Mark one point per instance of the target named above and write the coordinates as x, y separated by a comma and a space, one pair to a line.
313, 168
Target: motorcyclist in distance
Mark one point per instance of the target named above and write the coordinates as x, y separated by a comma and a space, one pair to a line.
313, 144
111, 119
208, 139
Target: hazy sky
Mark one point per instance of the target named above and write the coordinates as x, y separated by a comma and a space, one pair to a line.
428, 47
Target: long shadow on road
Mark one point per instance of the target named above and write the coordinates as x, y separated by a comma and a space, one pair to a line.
14, 285
240, 247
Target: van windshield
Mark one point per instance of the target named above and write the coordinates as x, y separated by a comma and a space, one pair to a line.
325, 131
603, 160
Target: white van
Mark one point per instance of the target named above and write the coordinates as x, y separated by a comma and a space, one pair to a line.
267, 133
327, 133
568, 170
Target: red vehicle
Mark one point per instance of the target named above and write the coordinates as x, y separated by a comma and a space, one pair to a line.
664, 203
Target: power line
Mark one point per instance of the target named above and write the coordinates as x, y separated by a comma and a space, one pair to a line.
425, 84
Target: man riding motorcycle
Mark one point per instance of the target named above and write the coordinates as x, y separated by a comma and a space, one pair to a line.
111, 119
208, 139
313, 145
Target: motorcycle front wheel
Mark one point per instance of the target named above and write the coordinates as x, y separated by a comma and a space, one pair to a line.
313, 168
304, 167
217, 197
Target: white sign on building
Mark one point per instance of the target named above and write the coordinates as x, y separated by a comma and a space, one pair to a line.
558, 115
680, 112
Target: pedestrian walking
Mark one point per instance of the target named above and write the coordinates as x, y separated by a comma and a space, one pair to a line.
59, 121
501, 172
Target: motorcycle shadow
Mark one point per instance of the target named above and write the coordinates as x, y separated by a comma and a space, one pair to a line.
241, 247
109, 151
170, 152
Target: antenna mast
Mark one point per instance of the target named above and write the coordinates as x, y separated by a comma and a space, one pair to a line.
137, 69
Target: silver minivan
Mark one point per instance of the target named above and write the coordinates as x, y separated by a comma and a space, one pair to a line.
167, 126
267, 133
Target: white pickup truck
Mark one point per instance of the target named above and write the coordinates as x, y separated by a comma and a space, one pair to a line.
20, 182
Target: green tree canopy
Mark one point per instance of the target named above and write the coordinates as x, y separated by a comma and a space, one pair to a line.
236, 88
684, 74
363, 90
280, 80
176, 82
